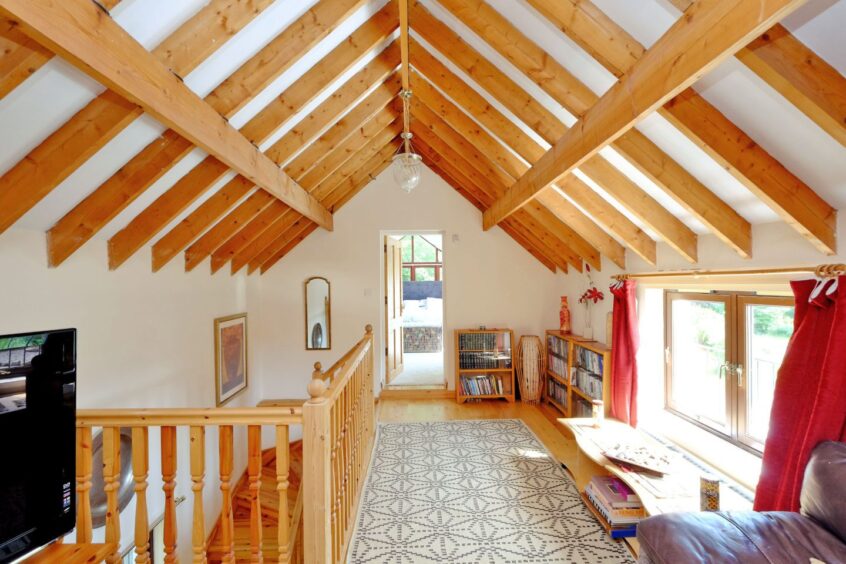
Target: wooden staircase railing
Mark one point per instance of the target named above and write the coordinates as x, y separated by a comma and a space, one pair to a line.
197, 420
338, 433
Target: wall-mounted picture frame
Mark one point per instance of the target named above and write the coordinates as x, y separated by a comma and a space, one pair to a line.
230, 357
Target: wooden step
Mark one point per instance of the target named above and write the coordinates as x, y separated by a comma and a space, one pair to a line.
269, 499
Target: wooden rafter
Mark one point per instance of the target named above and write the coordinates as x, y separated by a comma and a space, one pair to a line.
577, 98
348, 188
763, 175
464, 160
485, 143
198, 221
67, 148
20, 57
101, 48
243, 248
709, 32
202, 177
474, 104
798, 74
375, 132
548, 126
446, 168
574, 248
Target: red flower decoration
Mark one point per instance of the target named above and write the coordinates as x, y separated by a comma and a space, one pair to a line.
592, 294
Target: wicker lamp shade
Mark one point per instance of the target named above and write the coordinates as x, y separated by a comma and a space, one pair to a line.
530, 362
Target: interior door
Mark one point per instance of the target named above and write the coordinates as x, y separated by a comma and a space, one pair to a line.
393, 308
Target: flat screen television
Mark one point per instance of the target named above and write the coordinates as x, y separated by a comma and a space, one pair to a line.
37, 437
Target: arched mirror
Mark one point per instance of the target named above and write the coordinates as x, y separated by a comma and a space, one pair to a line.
318, 314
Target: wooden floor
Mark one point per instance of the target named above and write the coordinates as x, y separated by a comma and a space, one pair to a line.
540, 419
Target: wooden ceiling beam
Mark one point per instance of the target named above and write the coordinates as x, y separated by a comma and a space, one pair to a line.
793, 70
244, 247
455, 145
577, 98
452, 176
548, 126
444, 142
350, 186
280, 54
794, 201
605, 214
378, 131
331, 109
584, 226
78, 139
20, 57
200, 179
488, 145
709, 32
474, 104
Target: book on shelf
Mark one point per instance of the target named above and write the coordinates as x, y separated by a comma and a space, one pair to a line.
615, 493
557, 392
558, 365
482, 385
581, 408
588, 360
588, 382
614, 517
557, 346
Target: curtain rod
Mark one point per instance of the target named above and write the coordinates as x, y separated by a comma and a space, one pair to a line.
822, 271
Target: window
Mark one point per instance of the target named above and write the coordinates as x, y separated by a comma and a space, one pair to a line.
723, 353
421, 259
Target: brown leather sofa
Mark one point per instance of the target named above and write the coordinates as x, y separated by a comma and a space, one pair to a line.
748, 537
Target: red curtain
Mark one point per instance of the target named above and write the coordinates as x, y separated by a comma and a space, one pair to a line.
625, 340
809, 405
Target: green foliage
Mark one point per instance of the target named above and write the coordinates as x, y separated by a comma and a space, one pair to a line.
18, 342
405, 243
424, 251
406, 274
424, 273
775, 321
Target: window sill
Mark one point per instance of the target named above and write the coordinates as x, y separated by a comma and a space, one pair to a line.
735, 462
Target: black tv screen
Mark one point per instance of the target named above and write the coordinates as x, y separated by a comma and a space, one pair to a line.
37, 431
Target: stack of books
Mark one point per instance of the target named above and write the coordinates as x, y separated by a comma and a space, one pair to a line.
485, 385
619, 506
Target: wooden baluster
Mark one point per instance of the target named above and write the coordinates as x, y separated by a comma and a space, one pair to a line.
140, 469
169, 485
317, 473
83, 485
111, 473
227, 526
282, 472
254, 474
198, 474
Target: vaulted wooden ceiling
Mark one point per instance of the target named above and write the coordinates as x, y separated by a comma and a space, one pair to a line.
256, 194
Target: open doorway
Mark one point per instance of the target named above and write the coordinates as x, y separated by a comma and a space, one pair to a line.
414, 310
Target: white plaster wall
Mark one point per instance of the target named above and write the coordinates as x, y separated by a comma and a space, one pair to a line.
144, 340
488, 280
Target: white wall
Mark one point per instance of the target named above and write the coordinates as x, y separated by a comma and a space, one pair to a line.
488, 279
144, 340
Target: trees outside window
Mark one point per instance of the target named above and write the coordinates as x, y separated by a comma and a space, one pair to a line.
421, 259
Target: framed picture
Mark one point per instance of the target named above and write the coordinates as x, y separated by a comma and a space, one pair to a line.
230, 356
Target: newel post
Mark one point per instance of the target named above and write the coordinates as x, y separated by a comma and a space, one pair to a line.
316, 472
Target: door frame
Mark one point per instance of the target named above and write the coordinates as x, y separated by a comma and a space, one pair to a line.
383, 332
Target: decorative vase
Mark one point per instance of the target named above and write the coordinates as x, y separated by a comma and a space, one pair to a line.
564, 316
588, 331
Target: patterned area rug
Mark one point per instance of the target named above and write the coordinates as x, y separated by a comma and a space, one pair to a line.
473, 492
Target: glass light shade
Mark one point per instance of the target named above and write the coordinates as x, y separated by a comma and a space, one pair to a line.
407, 170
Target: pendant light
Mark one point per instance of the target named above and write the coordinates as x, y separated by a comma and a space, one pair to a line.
407, 165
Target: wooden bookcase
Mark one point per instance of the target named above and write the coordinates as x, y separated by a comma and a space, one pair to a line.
484, 367
577, 372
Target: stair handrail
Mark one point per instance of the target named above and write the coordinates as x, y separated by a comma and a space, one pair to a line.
338, 432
